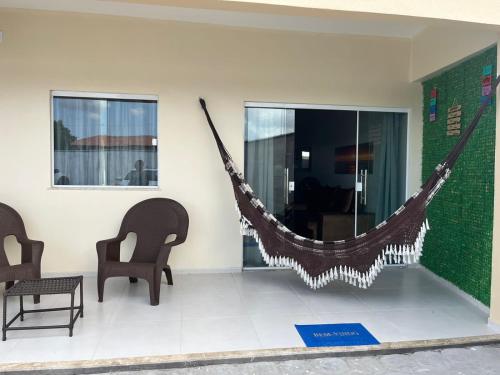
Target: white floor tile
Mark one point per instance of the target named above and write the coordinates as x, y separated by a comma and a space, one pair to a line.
434, 323
51, 348
397, 277
204, 283
328, 300
259, 282
8, 347
275, 303
140, 339
278, 331
212, 305
218, 334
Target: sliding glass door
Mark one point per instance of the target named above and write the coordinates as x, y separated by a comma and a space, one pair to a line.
326, 174
324, 198
381, 167
269, 166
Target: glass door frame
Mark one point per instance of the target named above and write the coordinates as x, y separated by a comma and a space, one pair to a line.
333, 107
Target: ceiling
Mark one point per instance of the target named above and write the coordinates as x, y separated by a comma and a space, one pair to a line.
320, 16
239, 14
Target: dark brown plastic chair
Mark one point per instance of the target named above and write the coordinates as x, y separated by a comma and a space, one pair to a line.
152, 220
11, 224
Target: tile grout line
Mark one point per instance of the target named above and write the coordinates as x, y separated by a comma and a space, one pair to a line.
181, 333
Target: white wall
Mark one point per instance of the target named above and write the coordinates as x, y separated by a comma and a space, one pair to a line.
439, 46
178, 62
495, 261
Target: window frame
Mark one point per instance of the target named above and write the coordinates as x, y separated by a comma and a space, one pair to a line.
104, 96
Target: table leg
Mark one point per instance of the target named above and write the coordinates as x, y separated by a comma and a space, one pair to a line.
4, 325
21, 307
81, 297
71, 314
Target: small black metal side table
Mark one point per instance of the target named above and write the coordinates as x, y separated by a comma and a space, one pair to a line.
56, 285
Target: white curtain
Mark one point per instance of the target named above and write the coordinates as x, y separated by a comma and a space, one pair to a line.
133, 127
269, 134
77, 121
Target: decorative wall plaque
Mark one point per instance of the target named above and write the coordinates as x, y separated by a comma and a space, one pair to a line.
486, 81
454, 120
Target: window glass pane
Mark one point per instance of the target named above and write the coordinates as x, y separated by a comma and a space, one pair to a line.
77, 124
131, 152
105, 142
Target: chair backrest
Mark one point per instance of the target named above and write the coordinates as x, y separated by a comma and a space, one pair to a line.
153, 220
11, 223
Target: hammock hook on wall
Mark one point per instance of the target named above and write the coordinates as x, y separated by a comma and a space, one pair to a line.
397, 240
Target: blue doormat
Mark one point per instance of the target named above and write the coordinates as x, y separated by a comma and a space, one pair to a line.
348, 334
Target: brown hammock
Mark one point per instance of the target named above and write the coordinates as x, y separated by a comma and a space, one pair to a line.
358, 260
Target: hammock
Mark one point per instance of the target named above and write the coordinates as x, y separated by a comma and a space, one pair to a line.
397, 240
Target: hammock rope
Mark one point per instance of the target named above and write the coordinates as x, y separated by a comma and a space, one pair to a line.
358, 260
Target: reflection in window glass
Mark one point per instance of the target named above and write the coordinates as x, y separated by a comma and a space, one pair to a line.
105, 142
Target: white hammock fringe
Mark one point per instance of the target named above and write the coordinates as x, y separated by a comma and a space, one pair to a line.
391, 254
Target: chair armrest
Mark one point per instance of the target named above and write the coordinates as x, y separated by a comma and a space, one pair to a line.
175, 242
178, 240
109, 249
31, 251
163, 255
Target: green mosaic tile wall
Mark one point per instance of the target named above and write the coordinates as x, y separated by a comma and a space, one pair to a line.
458, 247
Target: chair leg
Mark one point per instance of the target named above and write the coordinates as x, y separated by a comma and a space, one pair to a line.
133, 280
100, 286
168, 274
36, 299
154, 295
154, 287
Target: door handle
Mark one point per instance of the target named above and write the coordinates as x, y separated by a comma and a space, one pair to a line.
365, 188
286, 185
361, 186
363, 174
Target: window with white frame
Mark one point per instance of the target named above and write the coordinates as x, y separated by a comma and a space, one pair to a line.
104, 139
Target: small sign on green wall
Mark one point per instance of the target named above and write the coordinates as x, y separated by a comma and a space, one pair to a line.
433, 107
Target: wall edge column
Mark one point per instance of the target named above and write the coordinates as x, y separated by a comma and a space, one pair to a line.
494, 318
